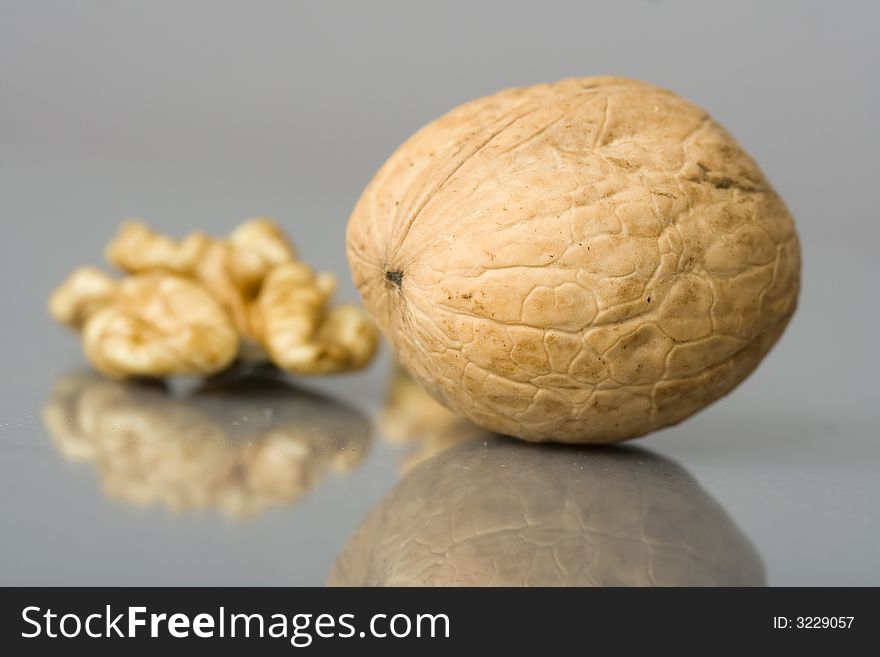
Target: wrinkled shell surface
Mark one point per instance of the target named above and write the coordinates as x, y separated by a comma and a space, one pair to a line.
499, 513
585, 261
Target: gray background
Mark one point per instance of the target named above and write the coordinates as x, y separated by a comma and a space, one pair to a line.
198, 114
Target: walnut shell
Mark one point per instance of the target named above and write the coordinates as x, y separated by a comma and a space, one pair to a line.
585, 261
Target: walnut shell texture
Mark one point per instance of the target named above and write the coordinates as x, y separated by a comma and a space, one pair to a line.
585, 261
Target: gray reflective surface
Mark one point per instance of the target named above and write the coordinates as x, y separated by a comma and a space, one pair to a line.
197, 115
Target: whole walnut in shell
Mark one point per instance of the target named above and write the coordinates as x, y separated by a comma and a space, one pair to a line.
584, 261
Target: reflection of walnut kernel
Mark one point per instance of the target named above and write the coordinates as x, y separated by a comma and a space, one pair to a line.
257, 292
411, 417
240, 443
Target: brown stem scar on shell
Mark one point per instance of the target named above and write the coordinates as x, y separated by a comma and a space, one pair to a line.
395, 277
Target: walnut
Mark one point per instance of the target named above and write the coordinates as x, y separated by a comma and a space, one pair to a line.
239, 445
249, 285
232, 269
80, 296
298, 332
136, 248
585, 261
154, 324
258, 245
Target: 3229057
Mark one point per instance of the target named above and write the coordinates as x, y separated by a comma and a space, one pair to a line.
813, 622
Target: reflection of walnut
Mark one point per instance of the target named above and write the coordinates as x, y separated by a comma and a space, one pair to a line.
239, 445
152, 324
411, 416
277, 306
502, 513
